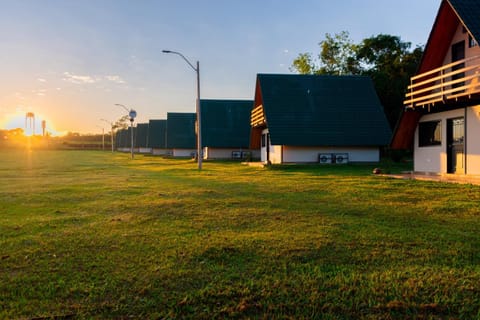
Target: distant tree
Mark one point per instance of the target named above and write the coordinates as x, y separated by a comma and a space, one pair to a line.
337, 57
390, 63
304, 64
385, 58
121, 123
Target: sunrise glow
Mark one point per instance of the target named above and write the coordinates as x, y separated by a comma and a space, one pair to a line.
31, 126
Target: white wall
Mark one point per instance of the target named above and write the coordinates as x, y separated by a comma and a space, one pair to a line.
158, 152
275, 154
184, 153
310, 154
469, 52
226, 153
473, 140
145, 150
289, 154
433, 159
218, 153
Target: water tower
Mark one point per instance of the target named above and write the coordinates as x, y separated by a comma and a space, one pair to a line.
30, 122
44, 126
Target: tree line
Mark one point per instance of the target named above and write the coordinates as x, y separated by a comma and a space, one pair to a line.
388, 60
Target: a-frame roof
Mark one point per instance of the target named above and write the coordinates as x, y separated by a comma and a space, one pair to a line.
314, 110
469, 12
157, 134
141, 138
124, 137
225, 123
450, 13
181, 130
121, 138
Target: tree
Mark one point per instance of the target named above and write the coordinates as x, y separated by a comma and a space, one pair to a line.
121, 123
390, 63
304, 64
336, 57
385, 58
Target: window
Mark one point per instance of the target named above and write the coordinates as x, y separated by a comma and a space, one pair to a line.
471, 42
430, 133
264, 139
458, 130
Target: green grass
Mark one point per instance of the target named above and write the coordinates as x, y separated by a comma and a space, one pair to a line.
95, 235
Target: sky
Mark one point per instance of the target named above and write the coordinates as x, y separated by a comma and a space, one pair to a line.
70, 61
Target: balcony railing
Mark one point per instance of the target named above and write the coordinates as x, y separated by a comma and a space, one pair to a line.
257, 118
460, 79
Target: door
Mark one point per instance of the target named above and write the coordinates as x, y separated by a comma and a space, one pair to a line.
455, 145
265, 147
268, 147
458, 53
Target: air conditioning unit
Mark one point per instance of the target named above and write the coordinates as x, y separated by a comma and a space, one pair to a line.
236, 155
246, 154
325, 158
340, 158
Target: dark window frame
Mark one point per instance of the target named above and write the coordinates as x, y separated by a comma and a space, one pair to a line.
430, 133
471, 42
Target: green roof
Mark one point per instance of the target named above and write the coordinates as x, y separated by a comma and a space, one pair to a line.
181, 130
469, 13
318, 110
121, 138
225, 123
157, 134
141, 136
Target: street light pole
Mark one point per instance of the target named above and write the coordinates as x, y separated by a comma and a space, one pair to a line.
132, 114
111, 131
197, 107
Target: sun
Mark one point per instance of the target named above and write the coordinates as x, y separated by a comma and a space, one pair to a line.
32, 124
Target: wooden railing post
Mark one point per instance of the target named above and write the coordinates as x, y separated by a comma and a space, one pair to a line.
442, 73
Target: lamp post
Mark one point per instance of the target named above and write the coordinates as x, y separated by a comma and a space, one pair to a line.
132, 114
197, 107
111, 131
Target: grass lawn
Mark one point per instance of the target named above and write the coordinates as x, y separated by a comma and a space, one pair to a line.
87, 234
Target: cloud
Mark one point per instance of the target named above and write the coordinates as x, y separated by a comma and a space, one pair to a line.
86, 79
41, 80
115, 79
78, 79
40, 92
19, 96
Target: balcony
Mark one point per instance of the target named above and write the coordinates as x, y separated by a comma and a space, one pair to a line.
445, 85
257, 117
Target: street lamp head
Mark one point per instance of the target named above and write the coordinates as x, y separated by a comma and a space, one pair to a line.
132, 114
166, 51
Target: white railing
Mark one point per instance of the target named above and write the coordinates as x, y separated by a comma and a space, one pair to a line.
452, 81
